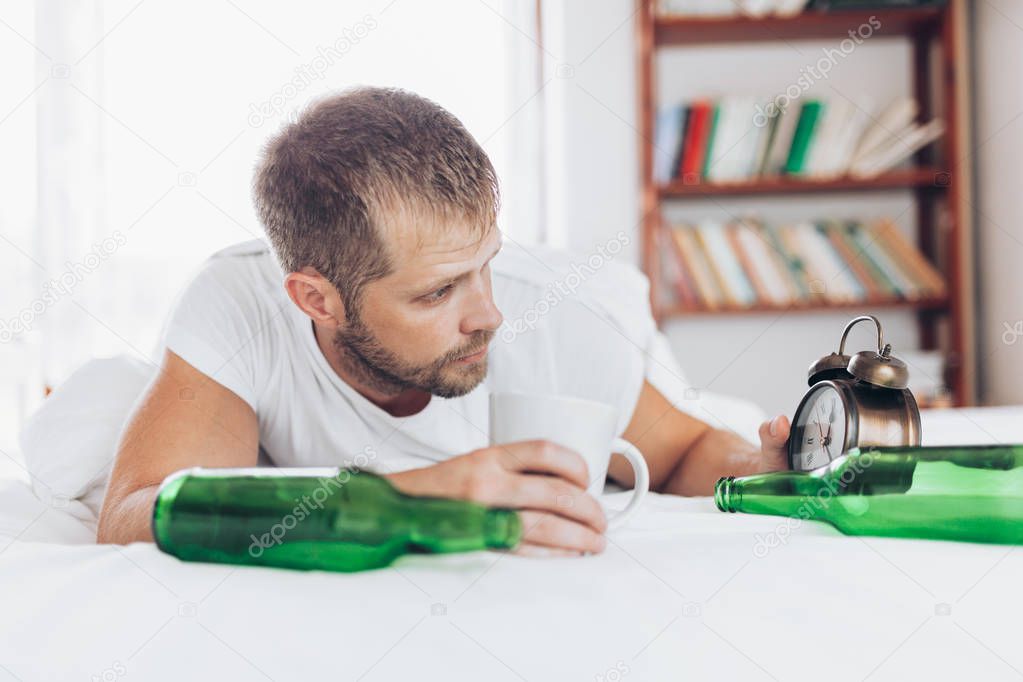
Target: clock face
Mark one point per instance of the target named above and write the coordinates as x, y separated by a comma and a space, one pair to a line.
819, 429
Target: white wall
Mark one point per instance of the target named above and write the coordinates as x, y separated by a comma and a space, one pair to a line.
594, 190
999, 135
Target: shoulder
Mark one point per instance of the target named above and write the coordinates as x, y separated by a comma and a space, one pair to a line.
536, 282
242, 266
244, 277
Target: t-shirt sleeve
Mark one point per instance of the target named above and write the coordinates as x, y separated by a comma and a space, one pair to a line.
214, 326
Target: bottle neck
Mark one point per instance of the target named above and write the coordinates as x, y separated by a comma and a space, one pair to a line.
789, 492
780, 492
458, 525
502, 528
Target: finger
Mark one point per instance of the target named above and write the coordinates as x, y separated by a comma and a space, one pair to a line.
546, 457
530, 550
775, 432
551, 530
551, 494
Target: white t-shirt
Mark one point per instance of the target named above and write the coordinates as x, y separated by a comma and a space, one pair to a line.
569, 328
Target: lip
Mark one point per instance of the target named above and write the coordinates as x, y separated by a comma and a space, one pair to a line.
475, 357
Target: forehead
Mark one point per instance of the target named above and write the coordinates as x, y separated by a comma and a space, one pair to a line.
424, 246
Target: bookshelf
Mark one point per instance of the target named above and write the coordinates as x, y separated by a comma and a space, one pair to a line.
939, 180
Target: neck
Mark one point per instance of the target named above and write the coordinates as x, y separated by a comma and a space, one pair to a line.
401, 404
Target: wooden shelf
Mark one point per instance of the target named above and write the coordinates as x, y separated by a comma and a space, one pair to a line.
924, 178
683, 30
807, 306
940, 186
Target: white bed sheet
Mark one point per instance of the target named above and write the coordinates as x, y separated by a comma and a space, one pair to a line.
680, 593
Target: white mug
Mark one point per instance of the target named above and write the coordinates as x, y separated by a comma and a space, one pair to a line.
586, 426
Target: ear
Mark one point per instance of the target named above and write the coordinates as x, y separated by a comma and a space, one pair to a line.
316, 297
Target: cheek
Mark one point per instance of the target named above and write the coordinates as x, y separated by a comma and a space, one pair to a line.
420, 336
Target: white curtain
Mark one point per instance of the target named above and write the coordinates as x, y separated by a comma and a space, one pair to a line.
134, 127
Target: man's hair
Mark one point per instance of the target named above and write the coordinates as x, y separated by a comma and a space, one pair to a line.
362, 160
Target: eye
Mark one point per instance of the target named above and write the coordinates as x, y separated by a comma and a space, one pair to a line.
439, 295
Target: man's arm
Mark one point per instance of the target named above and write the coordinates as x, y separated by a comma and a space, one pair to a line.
184, 419
686, 456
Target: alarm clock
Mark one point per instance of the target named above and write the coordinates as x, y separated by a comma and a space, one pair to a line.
853, 402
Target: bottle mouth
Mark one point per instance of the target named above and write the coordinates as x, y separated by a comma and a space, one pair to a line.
726, 495
503, 528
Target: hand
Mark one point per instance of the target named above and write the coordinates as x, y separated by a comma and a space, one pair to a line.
543, 480
774, 438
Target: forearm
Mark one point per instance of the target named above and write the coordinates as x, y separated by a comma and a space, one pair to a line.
716, 453
128, 519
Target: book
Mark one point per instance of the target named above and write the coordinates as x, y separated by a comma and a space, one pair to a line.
791, 260
899, 148
695, 261
763, 265
733, 141
873, 288
851, 232
736, 138
676, 161
841, 273
924, 274
897, 116
743, 263
869, 249
790, 276
822, 159
752, 274
778, 154
816, 280
767, 139
725, 262
802, 139
695, 141
668, 139
708, 151
675, 270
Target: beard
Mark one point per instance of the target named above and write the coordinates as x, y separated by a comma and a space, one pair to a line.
370, 363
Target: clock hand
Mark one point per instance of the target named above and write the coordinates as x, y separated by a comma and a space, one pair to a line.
820, 417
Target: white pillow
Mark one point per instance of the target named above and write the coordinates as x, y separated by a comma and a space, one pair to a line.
70, 442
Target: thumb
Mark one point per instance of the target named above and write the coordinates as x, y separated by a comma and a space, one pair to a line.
776, 431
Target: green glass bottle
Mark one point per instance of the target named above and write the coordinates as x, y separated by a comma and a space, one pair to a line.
972, 493
327, 519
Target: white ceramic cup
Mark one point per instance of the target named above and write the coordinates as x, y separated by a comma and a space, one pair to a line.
586, 426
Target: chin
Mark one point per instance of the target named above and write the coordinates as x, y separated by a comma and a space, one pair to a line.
465, 383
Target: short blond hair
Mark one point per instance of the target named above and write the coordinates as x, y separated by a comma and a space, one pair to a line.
327, 183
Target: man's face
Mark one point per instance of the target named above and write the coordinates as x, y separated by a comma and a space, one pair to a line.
414, 326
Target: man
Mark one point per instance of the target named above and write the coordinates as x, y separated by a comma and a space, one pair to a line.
380, 209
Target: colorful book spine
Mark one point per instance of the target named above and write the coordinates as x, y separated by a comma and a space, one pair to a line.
695, 140
925, 275
849, 233
724, 260
803, 137
862, 274
678, 275
699, 269
746, 263
708, 151
884, 263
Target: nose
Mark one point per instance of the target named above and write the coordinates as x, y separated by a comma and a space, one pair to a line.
483, 313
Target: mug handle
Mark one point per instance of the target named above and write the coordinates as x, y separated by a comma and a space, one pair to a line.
639, 467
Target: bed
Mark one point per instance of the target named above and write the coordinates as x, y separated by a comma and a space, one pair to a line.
683, 592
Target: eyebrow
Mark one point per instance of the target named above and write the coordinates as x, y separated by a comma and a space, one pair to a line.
452, 279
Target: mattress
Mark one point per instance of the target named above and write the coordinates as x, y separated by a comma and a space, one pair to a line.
682, 592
